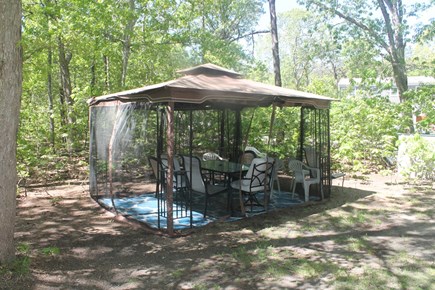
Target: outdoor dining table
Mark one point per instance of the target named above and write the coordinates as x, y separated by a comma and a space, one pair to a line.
228, 169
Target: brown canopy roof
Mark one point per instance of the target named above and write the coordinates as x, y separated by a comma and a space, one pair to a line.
211, 85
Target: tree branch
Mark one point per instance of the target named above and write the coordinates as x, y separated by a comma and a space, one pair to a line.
249, 34
355, 22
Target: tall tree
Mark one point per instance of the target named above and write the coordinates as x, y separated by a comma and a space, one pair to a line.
275, 43
381, 22
218, 26
10, 94
126, 41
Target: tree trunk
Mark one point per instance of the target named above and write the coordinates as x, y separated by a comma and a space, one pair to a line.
275, 46
392, 12
50, 97
10, 96
93, 78
66, 91
106, 72
126, 44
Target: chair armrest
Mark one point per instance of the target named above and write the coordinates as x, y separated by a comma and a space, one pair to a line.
180, 172
312, 169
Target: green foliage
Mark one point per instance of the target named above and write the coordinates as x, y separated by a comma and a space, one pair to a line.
150, 40
23, 248
285, 132
50, 251
417, 158
421, 102
363, 130
19, 268
422, 60
102, 40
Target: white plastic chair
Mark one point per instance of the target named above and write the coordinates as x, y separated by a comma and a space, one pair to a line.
299, 168
211, 156
276, 167
311, 156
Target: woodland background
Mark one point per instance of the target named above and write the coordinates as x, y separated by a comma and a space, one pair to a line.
75, 49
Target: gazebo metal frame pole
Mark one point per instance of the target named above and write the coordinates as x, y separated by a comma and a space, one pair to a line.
110, 152
190, 156
302, 134
160, 184
221, 114
158, 152
170, 174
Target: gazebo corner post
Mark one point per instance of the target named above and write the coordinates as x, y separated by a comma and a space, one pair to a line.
238, 134
169, 177
328, 136
190, 168
110, 156
237, 149
221, 115
301, 135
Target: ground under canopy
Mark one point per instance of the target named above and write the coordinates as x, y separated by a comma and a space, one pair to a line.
372, 235
143, 208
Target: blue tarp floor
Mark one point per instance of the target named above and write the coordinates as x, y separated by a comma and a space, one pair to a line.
143, 208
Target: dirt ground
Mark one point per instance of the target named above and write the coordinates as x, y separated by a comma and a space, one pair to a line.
369, 224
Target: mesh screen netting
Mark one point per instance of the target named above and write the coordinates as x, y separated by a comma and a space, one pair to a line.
128, 152
127, 138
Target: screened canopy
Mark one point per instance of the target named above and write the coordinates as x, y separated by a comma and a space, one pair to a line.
211, 85
131, 129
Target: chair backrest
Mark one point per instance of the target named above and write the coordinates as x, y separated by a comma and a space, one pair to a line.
154, 165
256, 151
260, 174
296, 167
177, 165
277, 165
211, 156
194, 175
179, 180
247, 157
311, 156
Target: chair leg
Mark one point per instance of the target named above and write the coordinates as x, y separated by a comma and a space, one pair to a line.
321, 191
294, 188
279, 186
206, 203
307, 192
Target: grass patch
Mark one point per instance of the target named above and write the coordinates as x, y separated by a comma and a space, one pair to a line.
404, 271
308, 228
206, 287
19, 267
50, 251
412, 272
349, 221
23, 248
177, 274
246, 257
56, 200
369, 279
303, 267
359, 244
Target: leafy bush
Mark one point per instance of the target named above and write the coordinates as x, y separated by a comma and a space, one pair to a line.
363, 130
417, 158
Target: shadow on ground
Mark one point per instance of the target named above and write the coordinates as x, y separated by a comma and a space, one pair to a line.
97, 252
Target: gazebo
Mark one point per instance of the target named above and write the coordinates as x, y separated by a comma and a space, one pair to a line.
127, 128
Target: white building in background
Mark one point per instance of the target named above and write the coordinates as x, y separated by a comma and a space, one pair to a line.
385, 87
